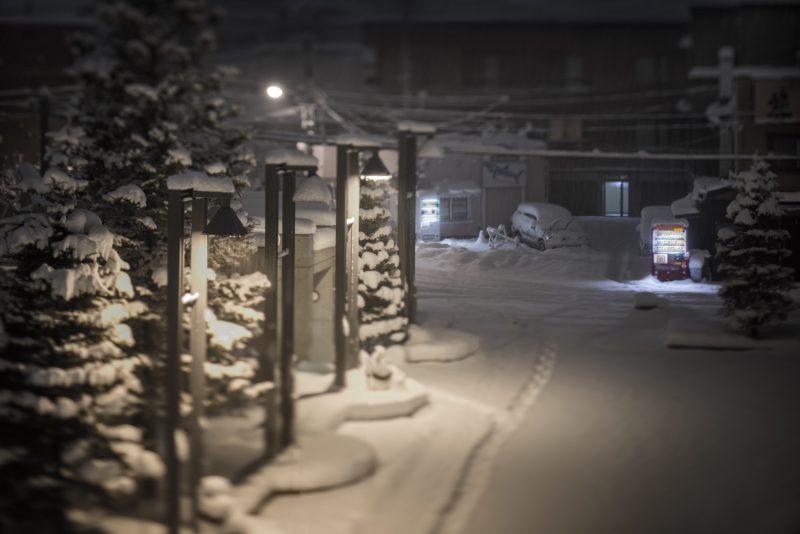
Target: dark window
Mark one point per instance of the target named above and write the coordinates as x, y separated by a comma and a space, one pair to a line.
454, 209
785, 145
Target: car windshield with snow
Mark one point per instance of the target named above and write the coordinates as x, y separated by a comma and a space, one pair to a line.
544, 226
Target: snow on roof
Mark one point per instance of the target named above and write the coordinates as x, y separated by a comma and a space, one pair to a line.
357, 140
546, 213
650, 214
199, 181
457, 141
669, 220
289, 156
705, 184
314, 189
756, 72
466, 187
416, 127
684, 206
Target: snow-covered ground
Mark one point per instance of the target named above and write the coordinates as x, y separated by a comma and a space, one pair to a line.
573, 415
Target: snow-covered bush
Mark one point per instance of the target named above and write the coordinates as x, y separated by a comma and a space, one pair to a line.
380, 292
750, 254
234, 318
68, 384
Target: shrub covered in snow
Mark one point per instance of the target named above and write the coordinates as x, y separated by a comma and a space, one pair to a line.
234, 319
750, 254
68, 383
380, 292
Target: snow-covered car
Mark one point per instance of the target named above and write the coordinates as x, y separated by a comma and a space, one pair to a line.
544, 225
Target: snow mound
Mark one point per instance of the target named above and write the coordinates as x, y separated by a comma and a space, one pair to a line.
644, 300
131, 193
320, 408
316, 462
439, 344
691, 333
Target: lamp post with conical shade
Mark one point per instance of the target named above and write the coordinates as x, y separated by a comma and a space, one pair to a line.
348, 197
281, 167
197, 188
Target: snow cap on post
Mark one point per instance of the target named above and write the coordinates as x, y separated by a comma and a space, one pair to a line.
290, 158
356, 140
416, 127
199, 181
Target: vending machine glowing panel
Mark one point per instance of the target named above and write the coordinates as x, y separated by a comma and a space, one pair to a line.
429, 219
670, 254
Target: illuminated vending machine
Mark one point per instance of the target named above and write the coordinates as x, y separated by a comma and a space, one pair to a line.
429, 219
670, 256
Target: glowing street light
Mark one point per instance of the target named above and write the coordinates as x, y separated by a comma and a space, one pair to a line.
274, 91
374, 169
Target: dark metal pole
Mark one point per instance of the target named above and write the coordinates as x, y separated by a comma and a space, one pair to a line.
287, 312
270, 307
44, 126
352, 203
340, 266
402, 209
197, 346
174, 346
411, 227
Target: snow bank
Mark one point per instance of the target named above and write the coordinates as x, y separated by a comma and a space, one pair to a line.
199, 181
316, 462
321, 408
289, 156
439, 344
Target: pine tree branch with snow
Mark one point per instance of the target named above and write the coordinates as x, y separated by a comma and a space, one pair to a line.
751, 254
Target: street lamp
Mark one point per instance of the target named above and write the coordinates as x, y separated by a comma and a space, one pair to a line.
197, 188
407, 133
348, 187
281, 164
374, 169
274, 91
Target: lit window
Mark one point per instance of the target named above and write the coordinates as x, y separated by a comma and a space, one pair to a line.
615, 195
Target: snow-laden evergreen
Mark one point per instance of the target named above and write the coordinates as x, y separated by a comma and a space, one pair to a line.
149, 108
751, 254
235, 317
380, 292
68, 383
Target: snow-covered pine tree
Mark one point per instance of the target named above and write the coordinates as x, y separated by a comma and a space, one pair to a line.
750, 254
68, 387
380, 292
148, 107
235, 319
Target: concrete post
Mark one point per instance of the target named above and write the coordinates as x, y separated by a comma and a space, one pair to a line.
174, 344
197, 346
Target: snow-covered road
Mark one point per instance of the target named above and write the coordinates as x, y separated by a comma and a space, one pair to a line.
572, 416
627, 435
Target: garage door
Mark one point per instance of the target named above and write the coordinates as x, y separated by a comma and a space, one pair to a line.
500, 203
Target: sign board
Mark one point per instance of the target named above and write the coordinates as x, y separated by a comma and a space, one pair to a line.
504, 171
777, 100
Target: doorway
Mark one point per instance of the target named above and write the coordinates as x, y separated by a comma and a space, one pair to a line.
615, 197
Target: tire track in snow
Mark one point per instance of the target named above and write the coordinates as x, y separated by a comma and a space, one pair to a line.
477, 471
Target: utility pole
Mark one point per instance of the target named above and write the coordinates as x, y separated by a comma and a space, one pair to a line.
726, 95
